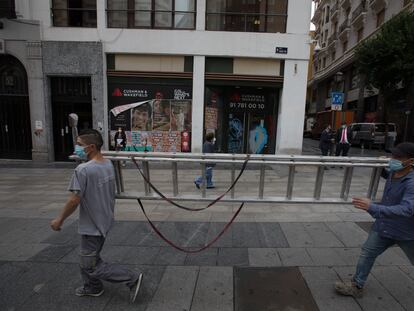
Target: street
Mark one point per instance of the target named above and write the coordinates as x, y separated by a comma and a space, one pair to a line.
283, 256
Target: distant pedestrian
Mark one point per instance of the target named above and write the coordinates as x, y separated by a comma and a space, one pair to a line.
208, 147
394, 218
326, 140
92, 187
344, 140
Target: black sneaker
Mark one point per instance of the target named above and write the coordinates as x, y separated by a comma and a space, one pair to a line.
197, 185
135, 289
211, 187
82, 291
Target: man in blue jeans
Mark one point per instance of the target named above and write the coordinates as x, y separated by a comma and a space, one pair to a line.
394, 218
208, 147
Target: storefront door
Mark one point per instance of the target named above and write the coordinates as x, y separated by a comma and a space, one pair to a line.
69, 95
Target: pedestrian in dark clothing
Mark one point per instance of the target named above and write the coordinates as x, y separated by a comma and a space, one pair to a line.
326, 140
394, 218
92, 187
344, 140
208, 147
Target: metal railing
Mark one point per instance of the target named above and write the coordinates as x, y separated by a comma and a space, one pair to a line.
260, 163
343, 26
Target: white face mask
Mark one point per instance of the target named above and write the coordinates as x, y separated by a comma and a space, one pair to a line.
214, 140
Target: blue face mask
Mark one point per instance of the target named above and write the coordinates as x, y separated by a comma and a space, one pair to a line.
396, 165
80, 152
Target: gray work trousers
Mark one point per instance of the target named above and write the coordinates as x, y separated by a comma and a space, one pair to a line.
94, 270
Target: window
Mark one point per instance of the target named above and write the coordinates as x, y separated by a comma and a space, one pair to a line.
380, 17
324, 62
327, 14
360, 34
345, 46
247, 15
7, 9
333, 55
160, 14
74, 13
325, 35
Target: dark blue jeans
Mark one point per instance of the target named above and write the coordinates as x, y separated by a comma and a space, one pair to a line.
374, 246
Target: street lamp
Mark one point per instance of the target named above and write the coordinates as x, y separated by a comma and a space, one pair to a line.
407, 115
338, 78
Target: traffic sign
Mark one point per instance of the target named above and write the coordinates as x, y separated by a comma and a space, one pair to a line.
337, 101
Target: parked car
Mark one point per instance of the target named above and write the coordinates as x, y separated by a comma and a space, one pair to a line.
370, 134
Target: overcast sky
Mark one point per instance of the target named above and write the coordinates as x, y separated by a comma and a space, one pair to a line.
312, 27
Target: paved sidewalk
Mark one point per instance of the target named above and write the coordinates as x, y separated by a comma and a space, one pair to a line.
275, 257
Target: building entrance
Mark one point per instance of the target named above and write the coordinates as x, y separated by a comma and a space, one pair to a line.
69, 94
15, 133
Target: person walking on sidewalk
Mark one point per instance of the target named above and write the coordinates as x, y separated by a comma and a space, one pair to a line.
208, 147
326, 140
394, 218
92, 187
344, 139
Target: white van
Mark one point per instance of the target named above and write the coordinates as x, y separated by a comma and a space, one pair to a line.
369, 134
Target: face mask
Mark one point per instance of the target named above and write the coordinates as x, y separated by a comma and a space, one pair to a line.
80, 152
396, 165
343, 126
214, 140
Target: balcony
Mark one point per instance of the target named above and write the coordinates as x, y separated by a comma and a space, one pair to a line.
345, 4
334, 12
378, 5
359, 15
332, 40
316, 17
343, 33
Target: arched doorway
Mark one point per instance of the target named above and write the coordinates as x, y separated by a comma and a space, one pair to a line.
15, 133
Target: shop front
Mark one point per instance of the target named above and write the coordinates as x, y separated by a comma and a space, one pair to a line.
154, 113
243, 118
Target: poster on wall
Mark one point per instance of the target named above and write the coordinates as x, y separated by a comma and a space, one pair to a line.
141, 118
181, 115
235, 134
161, 115
211, 117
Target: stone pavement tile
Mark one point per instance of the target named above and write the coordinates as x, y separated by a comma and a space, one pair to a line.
323, 256
25, 283
349, 233
214, 289
115, 254
137, 236
393, 256
19, 252
141, 255
271, 235
349, 255
264, 257
354, 216
245, 235
120, 231
175, 291
120, 293
52, 253
309, 234
321, 282
376, 297
226, 240
68, 235
408, 270
207, 257
295, 257
72, 256
233, 257
169, 256
63, 302
149, 237
399, 285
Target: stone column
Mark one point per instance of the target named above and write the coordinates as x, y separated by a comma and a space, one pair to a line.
198, 104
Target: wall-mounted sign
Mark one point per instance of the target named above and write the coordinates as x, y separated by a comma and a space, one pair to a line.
281, 50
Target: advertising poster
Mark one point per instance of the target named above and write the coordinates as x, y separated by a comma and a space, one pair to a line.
211, 117
172, 142
141, 118
161, 115
181, 115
